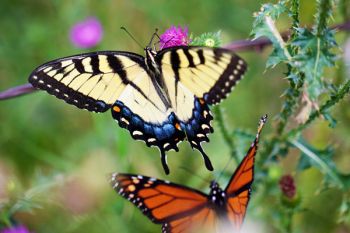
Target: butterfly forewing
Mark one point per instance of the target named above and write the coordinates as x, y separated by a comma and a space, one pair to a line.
182, 209
161, 201
209, 73
92, 81
239, 187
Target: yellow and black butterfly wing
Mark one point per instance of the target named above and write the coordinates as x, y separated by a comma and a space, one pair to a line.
196, 77
238, 189
175, 206
117, 80
92, 81
209, 73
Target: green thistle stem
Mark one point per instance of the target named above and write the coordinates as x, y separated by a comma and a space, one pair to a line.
341, 93
225, 134
295, 16
323, 14
324, 166
292, 95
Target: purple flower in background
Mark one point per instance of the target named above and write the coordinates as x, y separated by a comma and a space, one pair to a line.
87, 33
174, 36
15, 229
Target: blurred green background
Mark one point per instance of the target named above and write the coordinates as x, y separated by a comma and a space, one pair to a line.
46, 143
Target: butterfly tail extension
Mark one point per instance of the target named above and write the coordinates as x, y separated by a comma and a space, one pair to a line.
163, 158
206, 159
165, 136
198, 128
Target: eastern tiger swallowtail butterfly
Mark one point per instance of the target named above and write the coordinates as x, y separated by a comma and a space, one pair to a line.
180, 209
161, 99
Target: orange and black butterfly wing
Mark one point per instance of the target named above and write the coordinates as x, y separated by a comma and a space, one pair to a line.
238, 189
174, 206
204, 220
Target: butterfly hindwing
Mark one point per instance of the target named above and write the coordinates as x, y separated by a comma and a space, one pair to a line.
182, 209
205, 219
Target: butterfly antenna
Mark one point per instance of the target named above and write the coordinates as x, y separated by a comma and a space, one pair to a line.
152, 38
124, 29
193, 174
224, 169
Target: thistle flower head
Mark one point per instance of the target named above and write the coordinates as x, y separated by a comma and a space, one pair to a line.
287, 186
210, 39
174, 36
15, 229
87, 33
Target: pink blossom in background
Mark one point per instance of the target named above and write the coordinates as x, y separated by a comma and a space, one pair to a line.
87, 33
174, 36
15, 229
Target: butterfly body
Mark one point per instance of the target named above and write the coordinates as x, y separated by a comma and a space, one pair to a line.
162, 98
182, 209
217, 197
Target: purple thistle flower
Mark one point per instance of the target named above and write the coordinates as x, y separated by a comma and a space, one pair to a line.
174, 36
87, 33
287, 186
15, 229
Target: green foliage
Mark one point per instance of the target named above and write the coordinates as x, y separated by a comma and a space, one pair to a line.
307, 52
39, 133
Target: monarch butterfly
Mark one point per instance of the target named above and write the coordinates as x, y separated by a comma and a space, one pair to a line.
161, 99
179, 208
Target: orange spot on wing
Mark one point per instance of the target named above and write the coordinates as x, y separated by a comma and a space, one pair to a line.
201, 101
177, 126
116, 109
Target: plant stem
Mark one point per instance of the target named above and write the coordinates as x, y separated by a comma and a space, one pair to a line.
323, 14
334, 99
223, 129
271, 24
324, 167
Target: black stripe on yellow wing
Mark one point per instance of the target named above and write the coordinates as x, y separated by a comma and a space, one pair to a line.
91, 81
209, 73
